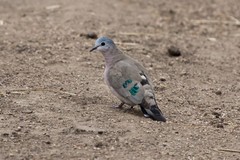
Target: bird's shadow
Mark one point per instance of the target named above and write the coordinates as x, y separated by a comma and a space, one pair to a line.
134, 111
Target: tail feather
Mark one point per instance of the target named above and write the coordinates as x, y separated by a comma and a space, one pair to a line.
154, 112
149, 105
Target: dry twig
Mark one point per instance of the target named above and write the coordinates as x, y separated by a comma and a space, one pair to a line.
227, 150
136, 34
204, 21
21, 91
127, 43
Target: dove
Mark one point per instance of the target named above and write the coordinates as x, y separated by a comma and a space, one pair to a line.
128, 80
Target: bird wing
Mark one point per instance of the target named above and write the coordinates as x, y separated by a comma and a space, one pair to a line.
140, 67
125, 78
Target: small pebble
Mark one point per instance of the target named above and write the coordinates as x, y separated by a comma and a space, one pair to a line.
15, 134
183, 73
171, 63
91, 35
212, 39
98, 145
27, 111
163, 79
216, 114
5, 134
218, 92
18, 129
174, 51
172, 12
1, 22
112, 148
220, 125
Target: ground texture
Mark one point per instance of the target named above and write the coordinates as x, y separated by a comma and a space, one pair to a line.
55, 105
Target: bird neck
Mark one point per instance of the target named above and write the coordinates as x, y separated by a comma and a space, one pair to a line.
113, 57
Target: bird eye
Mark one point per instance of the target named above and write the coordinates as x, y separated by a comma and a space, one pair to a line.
102, 44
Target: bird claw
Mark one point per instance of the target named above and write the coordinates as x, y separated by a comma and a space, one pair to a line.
118, 106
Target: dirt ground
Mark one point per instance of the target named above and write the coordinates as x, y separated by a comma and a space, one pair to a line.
53, 100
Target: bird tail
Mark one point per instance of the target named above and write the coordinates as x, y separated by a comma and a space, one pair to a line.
152, 110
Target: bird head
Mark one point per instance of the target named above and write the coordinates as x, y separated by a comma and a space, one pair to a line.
104, 45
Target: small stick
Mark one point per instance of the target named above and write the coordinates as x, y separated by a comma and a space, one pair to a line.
57, 91
228, 150
41, 89
215, 22
235, 19
127, 43
136, 33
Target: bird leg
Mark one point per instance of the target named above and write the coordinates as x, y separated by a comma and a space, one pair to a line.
119, 106
128, 109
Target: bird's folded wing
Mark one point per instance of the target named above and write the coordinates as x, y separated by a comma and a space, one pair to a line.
126, 79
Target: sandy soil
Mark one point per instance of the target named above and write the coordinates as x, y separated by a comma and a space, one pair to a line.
55, 105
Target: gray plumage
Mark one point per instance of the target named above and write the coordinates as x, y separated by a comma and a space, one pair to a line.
127, 79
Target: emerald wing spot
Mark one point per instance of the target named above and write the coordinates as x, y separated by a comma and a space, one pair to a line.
134, 90
125, 84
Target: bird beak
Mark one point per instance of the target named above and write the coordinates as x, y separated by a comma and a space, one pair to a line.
94, 48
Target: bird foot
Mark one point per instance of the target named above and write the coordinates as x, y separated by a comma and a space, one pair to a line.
118, 106
128, 109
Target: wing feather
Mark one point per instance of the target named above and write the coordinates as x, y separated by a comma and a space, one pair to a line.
125, 79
